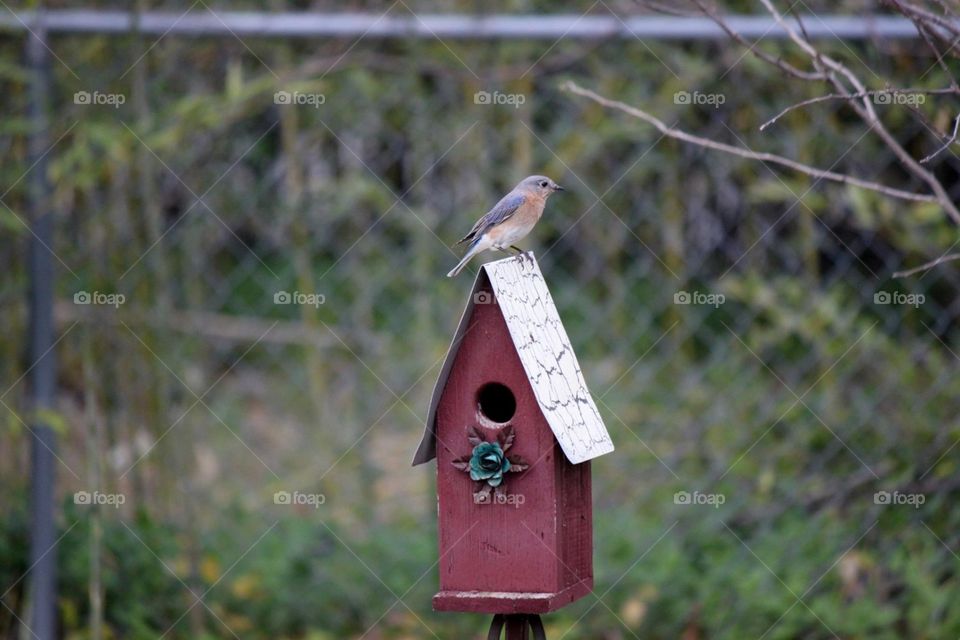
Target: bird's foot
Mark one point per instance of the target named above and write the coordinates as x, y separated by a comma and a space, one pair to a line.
523, 255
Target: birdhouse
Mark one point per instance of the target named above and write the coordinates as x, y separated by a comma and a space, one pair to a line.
513, 428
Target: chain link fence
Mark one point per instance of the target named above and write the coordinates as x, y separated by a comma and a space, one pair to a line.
251, 237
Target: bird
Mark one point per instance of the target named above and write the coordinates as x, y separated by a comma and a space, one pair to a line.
509, 220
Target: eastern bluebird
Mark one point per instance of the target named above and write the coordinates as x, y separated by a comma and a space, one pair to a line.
510, 219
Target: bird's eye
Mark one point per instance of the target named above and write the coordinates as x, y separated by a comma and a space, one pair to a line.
543, 183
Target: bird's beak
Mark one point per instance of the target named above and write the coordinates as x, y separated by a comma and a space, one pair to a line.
557, 187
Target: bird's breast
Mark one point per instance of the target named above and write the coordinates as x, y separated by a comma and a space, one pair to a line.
537, 205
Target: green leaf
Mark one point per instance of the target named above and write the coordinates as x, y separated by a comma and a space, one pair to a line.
52, 419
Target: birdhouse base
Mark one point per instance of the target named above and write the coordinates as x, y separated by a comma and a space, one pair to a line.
509, 602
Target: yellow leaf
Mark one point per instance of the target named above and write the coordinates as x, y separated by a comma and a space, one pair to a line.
927, 212
633, 612
245, 586
209, 569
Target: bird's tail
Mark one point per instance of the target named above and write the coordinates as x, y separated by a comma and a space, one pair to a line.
466, 258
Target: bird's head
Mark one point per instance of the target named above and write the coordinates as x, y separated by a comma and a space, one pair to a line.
539, 185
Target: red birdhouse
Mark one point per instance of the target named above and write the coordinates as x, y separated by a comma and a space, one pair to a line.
513, 428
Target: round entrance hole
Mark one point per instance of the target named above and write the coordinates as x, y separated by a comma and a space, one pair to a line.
496, 402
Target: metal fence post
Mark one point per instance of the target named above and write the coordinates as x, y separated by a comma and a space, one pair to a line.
43, 557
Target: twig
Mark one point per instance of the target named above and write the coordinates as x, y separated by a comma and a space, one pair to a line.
854, 96
953, 136
923, 29
927, 265
926, 16
659, 7
799, 19
746, 153
784, 66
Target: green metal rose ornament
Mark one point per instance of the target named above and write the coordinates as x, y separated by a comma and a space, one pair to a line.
488, 462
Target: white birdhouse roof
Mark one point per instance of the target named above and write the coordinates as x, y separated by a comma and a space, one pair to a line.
547, 357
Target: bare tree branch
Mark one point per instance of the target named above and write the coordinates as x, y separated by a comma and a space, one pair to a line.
784, 66
747, 153
853, 96
924, 32
846, 86
864, 108
946, 145
915, 13
927, 265
666, 9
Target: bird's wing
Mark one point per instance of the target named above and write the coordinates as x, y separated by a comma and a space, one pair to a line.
502, 211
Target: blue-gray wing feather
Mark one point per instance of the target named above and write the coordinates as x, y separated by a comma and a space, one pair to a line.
501, 212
